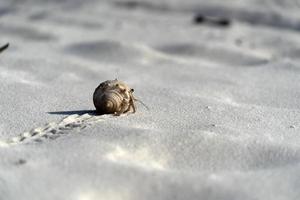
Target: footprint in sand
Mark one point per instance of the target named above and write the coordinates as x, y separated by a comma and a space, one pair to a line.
55, 129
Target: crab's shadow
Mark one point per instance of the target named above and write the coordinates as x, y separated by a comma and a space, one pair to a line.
73, 112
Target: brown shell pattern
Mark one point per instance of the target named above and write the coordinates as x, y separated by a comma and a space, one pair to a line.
113, 97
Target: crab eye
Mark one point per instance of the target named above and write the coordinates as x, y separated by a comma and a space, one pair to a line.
117, 85
131, 90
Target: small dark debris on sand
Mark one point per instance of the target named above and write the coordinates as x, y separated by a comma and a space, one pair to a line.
4, 47
217, 21
20, 162
133, 4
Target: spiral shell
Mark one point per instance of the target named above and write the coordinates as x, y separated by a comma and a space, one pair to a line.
113, 97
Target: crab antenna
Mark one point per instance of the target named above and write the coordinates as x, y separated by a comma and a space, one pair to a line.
142, 104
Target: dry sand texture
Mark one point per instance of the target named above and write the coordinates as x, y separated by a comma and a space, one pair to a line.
224, 100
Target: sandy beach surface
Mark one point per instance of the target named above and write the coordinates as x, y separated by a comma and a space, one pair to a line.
224, 100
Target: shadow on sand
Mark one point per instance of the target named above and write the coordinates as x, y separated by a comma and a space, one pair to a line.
72, 112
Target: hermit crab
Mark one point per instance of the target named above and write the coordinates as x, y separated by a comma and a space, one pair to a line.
114, 97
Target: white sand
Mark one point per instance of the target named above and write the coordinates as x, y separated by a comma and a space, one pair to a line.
224, 103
